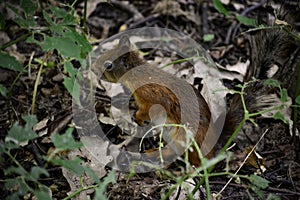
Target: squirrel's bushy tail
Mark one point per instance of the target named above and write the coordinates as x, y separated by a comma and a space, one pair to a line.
275, 49
275, 53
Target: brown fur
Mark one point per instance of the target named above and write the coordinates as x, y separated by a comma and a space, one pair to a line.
150, 94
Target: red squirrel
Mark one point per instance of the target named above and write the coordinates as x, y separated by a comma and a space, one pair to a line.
154, 93
114, 64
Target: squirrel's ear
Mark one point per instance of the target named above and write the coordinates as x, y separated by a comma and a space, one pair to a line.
124, 43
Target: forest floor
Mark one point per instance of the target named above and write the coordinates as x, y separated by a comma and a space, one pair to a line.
226, 41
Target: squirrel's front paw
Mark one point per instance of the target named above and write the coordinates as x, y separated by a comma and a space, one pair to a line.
128, 161
124, 160
138, 162
142, 117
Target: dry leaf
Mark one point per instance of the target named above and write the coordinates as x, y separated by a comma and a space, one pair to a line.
255, 160
239, 67
95, 149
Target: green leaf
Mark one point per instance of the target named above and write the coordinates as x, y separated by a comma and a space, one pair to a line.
2, 21
2, 150
100, 190
31, 39
65, 141
73, 88
58, 29
26, 23
10, 62
259, 181
16, 184
14, 196
11, 145
3, 90
19, 133
71, 165
60, 17
42, 193
239, 86
58, 12
68, 20
15, 170
280, 116
67, 17
272, 82
284, 95
220, 8
71, 83
36, 173
92, 174
68, 67
83, 64
273, 197
65, 46
81, 41
297, 100
78, 41
13, 8
208, 37
257, 191
29, 7
29, 20
48, 18
247, 21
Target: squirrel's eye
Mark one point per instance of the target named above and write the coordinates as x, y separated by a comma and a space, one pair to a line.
108, 65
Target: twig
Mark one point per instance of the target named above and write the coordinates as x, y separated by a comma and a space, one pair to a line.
271, 189
143, 20
204, 18
247, 10
249, 154
8, 44
234, 26
37, 81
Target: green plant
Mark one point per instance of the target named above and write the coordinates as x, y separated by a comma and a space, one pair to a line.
57, 30
250, 117
20, 178
23, 182
60, 31
297, 102
256, 183
12, 141
282, 25
240, 18
187, 172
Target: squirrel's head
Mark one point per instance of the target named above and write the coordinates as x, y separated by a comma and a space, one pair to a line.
113, 64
